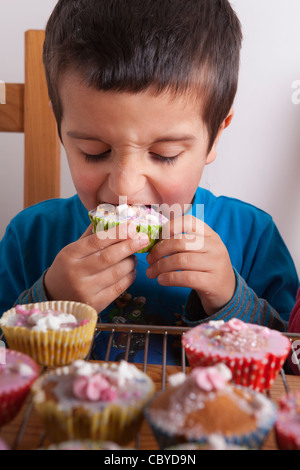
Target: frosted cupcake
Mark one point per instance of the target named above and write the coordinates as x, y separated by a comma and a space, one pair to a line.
17, 375
253, 353
53, 333
146, 219
287, 427
91, 400
204, 404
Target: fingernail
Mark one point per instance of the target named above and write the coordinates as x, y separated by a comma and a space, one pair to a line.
132, 230
133, 273
149, 271
143, 239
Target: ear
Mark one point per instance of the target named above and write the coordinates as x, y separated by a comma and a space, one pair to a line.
213, 152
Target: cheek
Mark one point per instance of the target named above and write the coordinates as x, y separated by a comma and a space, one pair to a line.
85, 181
183, 187
181, 192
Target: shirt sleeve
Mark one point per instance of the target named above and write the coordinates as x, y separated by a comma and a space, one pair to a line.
244, 305
36, 293
18, 284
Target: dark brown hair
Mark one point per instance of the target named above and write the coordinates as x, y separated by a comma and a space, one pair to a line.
130, 45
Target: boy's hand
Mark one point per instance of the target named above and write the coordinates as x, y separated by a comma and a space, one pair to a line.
97, 268
197, 259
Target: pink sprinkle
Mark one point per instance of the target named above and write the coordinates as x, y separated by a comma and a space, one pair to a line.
109, 394
79, 387
93, 388
208, 378
84, 322
21, 309
234, 324
35, 310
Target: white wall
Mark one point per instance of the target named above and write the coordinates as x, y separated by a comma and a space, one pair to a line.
259, 154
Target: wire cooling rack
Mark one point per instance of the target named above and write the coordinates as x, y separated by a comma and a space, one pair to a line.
165, 332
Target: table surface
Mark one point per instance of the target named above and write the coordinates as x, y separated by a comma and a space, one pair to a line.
25, 432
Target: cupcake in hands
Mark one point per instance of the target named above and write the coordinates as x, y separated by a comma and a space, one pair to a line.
146, 219
17, 374
92, 400
52, 333
254, 353
204, 404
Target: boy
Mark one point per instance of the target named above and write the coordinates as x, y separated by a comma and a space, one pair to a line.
142, 91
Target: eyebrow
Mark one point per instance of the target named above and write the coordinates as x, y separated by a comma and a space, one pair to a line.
170, 138
79, 135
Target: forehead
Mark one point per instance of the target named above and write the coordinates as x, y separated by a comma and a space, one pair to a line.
87, 109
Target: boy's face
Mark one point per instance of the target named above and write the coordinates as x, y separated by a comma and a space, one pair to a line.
151, 149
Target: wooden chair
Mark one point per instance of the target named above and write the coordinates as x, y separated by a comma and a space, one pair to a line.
27, 110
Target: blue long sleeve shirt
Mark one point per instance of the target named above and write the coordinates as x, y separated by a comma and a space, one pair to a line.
266, 286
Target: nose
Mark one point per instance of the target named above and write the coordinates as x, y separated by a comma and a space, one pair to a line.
127, 176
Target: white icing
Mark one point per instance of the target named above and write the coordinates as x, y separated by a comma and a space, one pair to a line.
19, 368
41, 322
25, 370
176, 379
224, 370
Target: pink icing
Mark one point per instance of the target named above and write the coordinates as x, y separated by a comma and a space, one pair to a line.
236, 338
22, 310
11, 373
93, 388
208, 378
233, 325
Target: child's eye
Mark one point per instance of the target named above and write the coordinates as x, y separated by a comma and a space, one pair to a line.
169, 160
96, 157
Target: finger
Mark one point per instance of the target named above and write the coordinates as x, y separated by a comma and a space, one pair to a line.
106, 296
114, 273
184, 224
184, 261
115, 253
101, 240
186, 243
193, 279
176, 229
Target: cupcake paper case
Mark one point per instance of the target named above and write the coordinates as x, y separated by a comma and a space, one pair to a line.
91, 400
145, 218
52, 333
204, 404
16, 377
254, 353
287, 426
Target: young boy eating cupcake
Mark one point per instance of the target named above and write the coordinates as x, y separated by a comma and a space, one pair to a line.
142, 92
